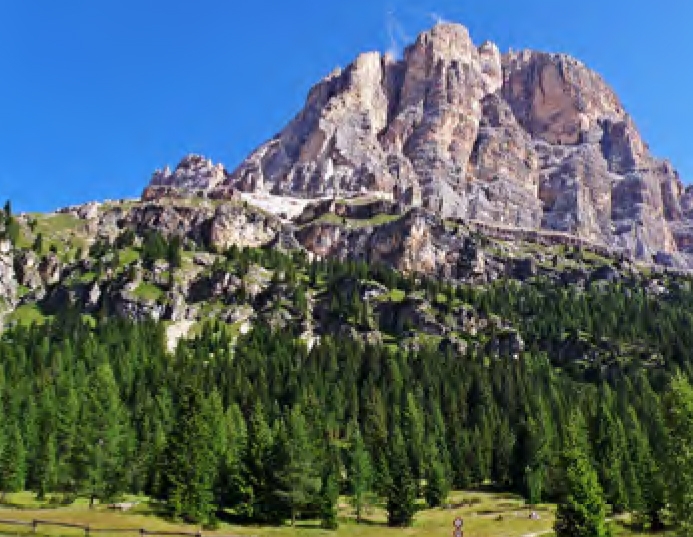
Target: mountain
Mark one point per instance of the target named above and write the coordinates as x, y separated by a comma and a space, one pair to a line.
456, 164
463, 261
524, 139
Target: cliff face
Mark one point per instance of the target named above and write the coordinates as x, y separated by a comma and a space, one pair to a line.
524, 139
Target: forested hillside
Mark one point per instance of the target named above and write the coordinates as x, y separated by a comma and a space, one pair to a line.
269, 426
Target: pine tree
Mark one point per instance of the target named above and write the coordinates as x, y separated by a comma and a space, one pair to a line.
401, 494
329, 496
12, 230
233, 490
12, 460
174, 252
297, 476
678, 417
413, 431
99, 456
47, 466
189, 461
360, 475
582, 512
437, 481
609, 451
258, 466
38, 244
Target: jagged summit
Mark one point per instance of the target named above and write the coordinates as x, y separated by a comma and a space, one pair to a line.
527, 139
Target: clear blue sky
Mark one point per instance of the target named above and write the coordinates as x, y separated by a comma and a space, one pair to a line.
96, 94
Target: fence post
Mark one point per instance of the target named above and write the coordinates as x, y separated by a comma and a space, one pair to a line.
142, 532
86, 530
34, 525
198, 534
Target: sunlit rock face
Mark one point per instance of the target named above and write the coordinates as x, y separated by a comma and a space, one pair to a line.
526, 139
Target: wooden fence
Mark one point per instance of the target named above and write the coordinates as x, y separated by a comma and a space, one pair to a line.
87, 529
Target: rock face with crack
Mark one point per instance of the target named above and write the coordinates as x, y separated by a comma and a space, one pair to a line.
525, 139
8, 281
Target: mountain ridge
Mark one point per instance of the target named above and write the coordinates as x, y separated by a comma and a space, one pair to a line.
525, 138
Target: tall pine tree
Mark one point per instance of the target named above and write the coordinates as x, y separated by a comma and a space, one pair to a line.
582, 511
190, 465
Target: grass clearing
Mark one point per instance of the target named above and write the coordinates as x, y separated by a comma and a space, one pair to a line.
480, 519
485, 515
26, 315
378, 220
148, 291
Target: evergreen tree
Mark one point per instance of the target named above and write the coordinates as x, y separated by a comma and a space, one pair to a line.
437, 481
360, 475
99, 456
232, 488
329, 496
47, 467
610, 454
678, 416
297, 475
12, 460
582, 512
175, 252
401, 494
258, 467
12, 230
189, 461
38, 244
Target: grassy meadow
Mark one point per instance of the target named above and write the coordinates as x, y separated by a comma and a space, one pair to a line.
484, 514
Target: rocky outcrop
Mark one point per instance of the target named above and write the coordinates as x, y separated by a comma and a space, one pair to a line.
194, 175
235, 225
168, 219
8, 282
526, 139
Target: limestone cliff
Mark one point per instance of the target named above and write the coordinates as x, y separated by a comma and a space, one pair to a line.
524, 139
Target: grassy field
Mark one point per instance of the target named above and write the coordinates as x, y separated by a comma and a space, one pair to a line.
481, 519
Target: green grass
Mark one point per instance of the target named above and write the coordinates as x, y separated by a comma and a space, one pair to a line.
480, 514
87, 277
127, 256
148, 291
57, 223
480, 520
377, 220
22, 291
394, 295
26, 315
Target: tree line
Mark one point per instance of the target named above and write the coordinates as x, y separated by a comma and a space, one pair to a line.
263, 429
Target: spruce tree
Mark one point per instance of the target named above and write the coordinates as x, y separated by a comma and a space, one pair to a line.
99, 456
678, 417
437, 480
360, 475
12, 230
329, 496
233, 490
258, 467
189, 461
401, 494
47, 467
582, 512
297, 475
610, 454
12, 460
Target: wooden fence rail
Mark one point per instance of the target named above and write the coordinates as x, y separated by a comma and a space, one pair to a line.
88, 529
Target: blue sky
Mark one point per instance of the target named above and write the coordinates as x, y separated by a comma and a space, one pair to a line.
96, 94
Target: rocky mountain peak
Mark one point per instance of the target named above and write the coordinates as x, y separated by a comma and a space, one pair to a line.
194, 173
526, 139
